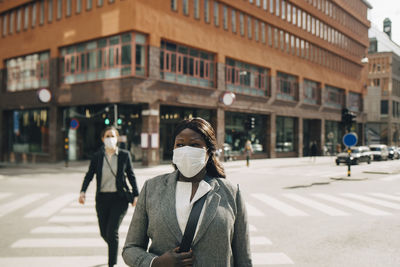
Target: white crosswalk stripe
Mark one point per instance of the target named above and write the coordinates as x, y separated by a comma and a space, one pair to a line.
374, 201
253, 211
61, 261
58, 243
316, 205
386, 196
20, 203
353, 205
52, 206
5, 195
270, 259
279, 205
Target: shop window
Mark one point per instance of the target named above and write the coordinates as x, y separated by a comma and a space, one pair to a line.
334, 97
246, 78
384, 107
355, 103
186, 65
285, 130
287, 86
240, 127
105, 58
28, 72
29, 131
312, 92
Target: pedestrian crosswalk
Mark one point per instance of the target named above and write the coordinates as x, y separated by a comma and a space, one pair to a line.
68, 224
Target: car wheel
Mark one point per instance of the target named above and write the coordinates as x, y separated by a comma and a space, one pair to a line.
369, 161
337, 163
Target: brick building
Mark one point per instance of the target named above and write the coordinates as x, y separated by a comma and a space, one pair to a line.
383, 120
144, 65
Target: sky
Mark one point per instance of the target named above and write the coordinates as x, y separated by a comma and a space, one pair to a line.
382, 9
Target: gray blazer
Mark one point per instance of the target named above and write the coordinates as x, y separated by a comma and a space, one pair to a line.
222, 239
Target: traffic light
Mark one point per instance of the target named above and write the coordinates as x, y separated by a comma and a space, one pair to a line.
66, 143
107, 121
250, 123
348, 118
119, 121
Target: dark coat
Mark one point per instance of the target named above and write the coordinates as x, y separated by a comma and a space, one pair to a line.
124, 167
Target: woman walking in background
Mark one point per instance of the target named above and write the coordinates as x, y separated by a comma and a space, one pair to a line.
111, 164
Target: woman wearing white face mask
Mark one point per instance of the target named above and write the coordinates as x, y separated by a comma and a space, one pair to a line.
111, 165
193, 216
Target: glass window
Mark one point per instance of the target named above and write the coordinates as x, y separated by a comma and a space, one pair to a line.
240, 127
216, 14
41, 12
249, 28
207, 11
233, 21
100, 2
89, 4
263, 32
26, 18
311, 92
29, 131
78, 6
185, 7
256, 29
69, 7
196, 9
287, 86
12, 22
285, 131
59, 8
50, 10
174, 5
225, 18
334, 97
384, 107
241, 22
33, 14
4, 24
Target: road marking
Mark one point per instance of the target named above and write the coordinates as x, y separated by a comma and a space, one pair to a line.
270, 259
58, 243
20, 203
253, 211
316, 205
73, 229
69, 219
5, 195
61, 261
252, 228
373, 200
385, 196
51, 207
260, 240
353, 205
87, 204
279, 205
80, 210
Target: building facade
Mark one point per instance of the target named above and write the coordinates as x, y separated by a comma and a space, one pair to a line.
383, 123
70, 67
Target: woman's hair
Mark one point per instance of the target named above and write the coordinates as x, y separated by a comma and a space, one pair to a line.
214, 167
107, 129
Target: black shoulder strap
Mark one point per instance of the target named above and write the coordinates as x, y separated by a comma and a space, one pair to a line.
192, 224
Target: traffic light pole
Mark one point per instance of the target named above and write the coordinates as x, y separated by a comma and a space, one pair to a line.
348, 162
115, 115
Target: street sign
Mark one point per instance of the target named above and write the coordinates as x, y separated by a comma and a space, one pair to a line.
74, 124
350, 139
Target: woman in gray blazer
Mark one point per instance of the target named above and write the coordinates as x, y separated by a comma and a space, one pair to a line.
221, 236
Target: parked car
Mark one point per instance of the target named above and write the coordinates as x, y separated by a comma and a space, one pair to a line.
394, 152
358, 154
379, 152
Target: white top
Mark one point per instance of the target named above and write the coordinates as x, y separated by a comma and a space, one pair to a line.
183, 205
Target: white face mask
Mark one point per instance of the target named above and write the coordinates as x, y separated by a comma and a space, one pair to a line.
189, 160
110, 142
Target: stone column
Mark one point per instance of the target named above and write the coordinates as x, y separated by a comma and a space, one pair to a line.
300, 137
154, 62
271, 135
151, 130
220, 131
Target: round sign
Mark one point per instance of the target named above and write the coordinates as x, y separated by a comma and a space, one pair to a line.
74, 124
44, 95
350, 139
228, 98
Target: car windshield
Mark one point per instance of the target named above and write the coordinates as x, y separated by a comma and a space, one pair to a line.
375, 149
355, 150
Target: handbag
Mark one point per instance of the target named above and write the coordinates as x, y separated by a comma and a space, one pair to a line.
192, 225
127, 192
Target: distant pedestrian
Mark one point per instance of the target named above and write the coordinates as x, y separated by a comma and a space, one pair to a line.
248, 150
111, 165
314, 150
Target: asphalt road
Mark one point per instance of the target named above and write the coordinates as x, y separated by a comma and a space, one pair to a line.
301, 213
